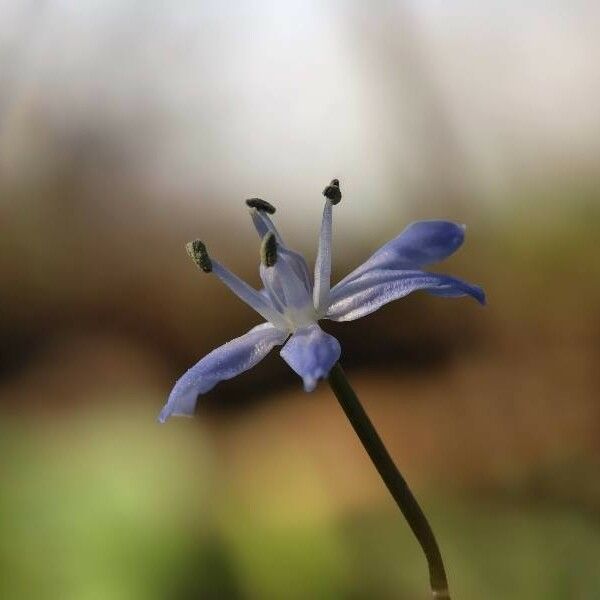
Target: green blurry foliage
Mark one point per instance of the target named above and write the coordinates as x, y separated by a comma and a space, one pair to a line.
95, 508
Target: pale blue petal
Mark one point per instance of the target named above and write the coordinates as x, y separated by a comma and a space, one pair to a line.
225, 362
264, 225
373, 289
273, 289
298, 265
323, 262
286, 288
265, 294
247, 293
311, 353
421, 243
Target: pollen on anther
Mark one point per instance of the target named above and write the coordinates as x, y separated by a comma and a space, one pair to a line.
260, 204
333, 192
268, 250
198, 253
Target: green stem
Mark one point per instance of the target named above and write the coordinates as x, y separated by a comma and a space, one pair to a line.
392, 478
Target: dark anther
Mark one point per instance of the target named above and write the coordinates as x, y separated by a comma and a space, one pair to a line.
333, 192
260, 204
197, 250
268, 250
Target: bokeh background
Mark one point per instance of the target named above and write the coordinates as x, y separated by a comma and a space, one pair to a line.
128, 128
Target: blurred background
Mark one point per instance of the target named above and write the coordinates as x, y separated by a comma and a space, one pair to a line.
128, 128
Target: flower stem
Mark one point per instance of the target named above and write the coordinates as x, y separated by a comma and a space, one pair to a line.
392, 478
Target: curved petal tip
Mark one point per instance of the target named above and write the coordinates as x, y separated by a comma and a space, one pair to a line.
225, 362
311, 353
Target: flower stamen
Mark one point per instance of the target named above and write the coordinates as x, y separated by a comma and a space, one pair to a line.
199, 254
333, 192
261, 205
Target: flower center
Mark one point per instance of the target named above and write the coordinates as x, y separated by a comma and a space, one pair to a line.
300, 317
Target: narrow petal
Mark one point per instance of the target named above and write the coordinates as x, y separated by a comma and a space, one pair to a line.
247, 293
311, 353
225, 362
298, 264
285, 288
421, 243
373, 289
323, 262
264, 224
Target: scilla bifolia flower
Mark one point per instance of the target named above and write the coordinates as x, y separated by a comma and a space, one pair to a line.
292, 302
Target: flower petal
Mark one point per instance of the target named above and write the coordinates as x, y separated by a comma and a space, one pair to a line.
225, 362
373, 289
323, 262
421, 243
248, 294
285, 288
264, 224
311, 353
298, 264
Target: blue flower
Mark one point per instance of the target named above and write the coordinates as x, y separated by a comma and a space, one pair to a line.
292, 303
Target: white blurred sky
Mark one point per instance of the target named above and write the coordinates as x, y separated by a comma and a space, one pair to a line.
260, 98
